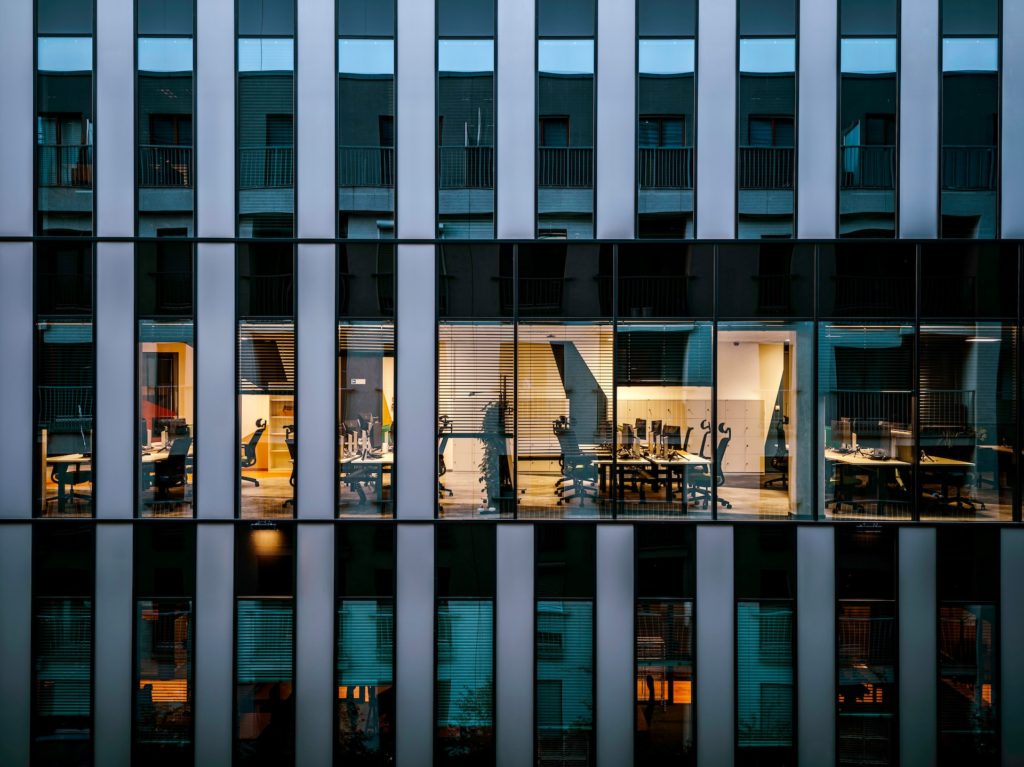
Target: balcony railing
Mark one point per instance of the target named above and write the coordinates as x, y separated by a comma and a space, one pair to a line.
65, 292
969, 168
868, 167
766, 167
67, 165
366, 166
565, 167
466, 167
666, 168
164, 166
266, 167
859, 294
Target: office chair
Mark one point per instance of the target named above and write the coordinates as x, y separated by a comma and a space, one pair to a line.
249, 450
672, 439
172, 470
579, 478
780, 461
289, 441
444, 429
700, 484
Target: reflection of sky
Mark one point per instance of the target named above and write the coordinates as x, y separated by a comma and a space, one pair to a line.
165, 54
666, 57
868, 56
65, 54
970, 54
566, 57
465, 56
366, 57
768, 55
268, 54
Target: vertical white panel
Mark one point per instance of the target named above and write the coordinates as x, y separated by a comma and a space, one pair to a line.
417, 131
616, 693
113, 647
314, 647
16, 46
716, 642
317, 88
216, 448
317, 358
15, 642
115, 119
16, 333
516, 135
816, 646
1011, 639
215, 118
1012, 149
816, 161
716, 120
415, 400
414, 646
215, 575
114, 449
918, 627
515, 610
919, 118
616, 119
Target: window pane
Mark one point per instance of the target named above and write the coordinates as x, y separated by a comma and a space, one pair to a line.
764, 691
366, 17
465, 18
665, 561
366, 280
566, 18
969, 280
767, 17
854, 281
565, 280
64, 17
266, 17
667, 18
163, 678
475, 281
165, 17
365, 679
765, 280
970, 17
968, 720
565, 683
868, 17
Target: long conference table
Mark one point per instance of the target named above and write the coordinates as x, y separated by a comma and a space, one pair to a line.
660, 471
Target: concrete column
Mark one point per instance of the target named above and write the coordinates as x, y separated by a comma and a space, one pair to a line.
316, 95
115, 118
816, 646
1011, 639
516, 128
514, 659
214, 644
314, 647
417, 121
918, 682
919, 118
16, 339
215, 121
1012, 149
112, 681
616, 119
414, 646
17, 42
716, 643
616, 691
816, 162
15, 642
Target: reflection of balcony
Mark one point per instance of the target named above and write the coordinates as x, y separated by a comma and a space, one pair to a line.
969, 168
537, 295
270, 294
856, 294
165, 165
266, 167
666, 168
868, 167
68, 165
656, 295
774, 293
565, 167
766, 167
173, 291
65, 292
466, 167
366, 166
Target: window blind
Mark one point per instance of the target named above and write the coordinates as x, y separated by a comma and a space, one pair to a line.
63, 658
366, 640
565, 682
475, 377
266, 358
465, 663
663, 356
764, 673
163, 672
264, 640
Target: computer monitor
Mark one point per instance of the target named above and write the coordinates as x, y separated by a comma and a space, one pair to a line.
143, 433
628, 437
656, 428
671, 434
641, 428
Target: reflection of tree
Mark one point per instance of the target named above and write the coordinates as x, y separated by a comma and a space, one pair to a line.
492, 432
469, 733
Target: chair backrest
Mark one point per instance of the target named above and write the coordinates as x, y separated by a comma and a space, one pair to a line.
180, 446
671, 434
723, 445
289, 440
250, 446
686, 439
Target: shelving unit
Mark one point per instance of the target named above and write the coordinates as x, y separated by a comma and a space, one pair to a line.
282, 413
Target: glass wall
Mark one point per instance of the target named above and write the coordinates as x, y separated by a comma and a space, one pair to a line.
266, 381
165, 174
666, 119
464, 695
264, 730
166, 369
969, 100
867, 647
868, 84
665, 592
465, 119
564, 690
566, 32
163, 733
365, 672
366, 118
766, 109
63, 590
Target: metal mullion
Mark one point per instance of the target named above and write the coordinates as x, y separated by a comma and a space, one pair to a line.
515, 380
713, 446
915, 512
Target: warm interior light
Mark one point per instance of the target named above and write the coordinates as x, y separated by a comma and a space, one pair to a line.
166, 690
266, 541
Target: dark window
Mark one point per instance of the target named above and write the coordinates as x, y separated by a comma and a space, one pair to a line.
266, 17
771, 131
662, 131
771, 18
566, 18
667, 18
554, 131
371, 18
165, 17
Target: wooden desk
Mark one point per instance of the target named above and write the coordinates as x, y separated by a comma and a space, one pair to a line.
366, 469
80, 461
651, 464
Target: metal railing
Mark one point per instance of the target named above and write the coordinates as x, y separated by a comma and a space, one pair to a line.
655, 295
969, 168
66, 292
868, 166
270, 294
366, 166
65, 165
565, 167
173, 291
266, 167
536, 294
766, 167
774, 293
466, 167
666, 167
165, 165
857, 293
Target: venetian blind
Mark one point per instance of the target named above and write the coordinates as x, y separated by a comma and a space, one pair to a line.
264, 640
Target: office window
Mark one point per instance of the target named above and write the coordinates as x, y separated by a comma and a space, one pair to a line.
874, 281
366, 119
666, 281
564, 685
266, 381
475, 281
365, 671
165, 173
665, 588
767, 280
868, 80
65, 380
969, 99
264, 645
766, 110
164, 636
666, 99
564, 281
63, 576
969, 279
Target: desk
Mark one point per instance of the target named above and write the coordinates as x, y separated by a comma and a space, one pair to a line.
61, 464
847, 466
357, 469
945, 468
652, 464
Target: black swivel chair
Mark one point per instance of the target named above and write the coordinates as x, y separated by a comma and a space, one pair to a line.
289, 441
172, 471
700, 483
249, 450
444, 430
579, 475
779, 462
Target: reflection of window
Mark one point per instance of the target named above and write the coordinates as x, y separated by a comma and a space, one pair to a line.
662, 131
170, 130
771, 131
554, 131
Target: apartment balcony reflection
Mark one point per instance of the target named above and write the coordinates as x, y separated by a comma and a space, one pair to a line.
165, 166
266, 167
868, 166
766, 167
64, 293
666, 167
366, 166
65, 165
858, 295
565, 167
969, 168
466, 167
